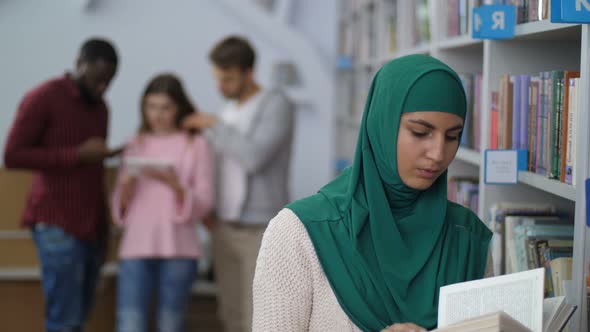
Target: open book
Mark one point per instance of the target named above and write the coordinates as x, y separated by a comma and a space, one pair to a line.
134, 165
512, 302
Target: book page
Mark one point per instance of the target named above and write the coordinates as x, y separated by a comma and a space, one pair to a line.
551, 307
520, 295
134, 165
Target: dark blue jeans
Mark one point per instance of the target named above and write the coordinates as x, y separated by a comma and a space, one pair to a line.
169, 280
70, 269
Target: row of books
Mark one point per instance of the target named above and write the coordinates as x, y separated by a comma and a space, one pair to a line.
530, 236
358, 40
464, 191
420, 22
356, 5
529, 10
357, 37
540, 242
472, 83
538, 114
390, 38
459, 15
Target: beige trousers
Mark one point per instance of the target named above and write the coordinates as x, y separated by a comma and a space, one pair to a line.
235, 249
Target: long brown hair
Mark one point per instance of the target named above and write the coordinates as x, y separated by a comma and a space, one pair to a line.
170, 85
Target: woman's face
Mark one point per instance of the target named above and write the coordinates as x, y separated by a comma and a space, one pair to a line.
160, 113
427, 143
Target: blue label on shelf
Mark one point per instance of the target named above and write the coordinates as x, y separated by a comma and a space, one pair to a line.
344, 62
587, 202
570, 11
494, 22
342, 164
502, 166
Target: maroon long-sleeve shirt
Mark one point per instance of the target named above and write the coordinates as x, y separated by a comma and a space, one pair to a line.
52, 121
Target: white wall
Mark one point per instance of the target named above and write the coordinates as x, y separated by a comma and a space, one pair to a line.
40, 39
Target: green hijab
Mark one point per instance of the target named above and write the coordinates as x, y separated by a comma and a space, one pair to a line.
386, 248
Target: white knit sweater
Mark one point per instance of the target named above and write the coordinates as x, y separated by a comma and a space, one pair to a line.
291, 291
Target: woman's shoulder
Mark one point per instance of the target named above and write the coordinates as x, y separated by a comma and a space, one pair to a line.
460, 215
286, 232
315, 208
195, 145
286, 224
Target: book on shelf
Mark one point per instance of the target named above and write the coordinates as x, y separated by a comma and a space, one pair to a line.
528, 10
494, 119
346, 39
497, 215
534, 242
472, 84
464, 191
533, 113
571, 106
512, 302
459, 16
529, 236
390, 28
420, 22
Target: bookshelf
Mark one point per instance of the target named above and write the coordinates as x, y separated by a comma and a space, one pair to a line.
468, 156
537, 46
547, 185
459, 42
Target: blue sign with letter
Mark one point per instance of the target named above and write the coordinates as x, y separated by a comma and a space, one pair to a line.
570, 11
494, 22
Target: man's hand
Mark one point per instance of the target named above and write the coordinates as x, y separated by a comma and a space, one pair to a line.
199, 121
93, 150
115, 152
210, 222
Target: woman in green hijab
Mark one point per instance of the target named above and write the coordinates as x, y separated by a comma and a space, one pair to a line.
371, 250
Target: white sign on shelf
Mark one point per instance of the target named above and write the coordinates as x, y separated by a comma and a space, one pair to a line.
502, 166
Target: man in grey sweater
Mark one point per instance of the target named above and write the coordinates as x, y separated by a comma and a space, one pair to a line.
252, 137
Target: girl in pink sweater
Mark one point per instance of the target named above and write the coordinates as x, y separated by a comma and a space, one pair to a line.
157, 205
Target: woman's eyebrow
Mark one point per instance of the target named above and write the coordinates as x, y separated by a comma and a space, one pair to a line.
431, 126
457, 127
423, 123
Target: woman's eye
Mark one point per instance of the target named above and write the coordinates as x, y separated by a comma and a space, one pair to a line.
452, 138
419, 133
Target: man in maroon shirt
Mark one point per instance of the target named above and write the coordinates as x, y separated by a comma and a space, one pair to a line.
59, 133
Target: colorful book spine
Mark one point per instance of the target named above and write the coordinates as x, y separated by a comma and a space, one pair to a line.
567, 131
495, 119
524, 112
506, 111
574, 110
453, 18
477, 110
534, 103
547, 133
556, 77
542, 121
533, 8
516, 84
